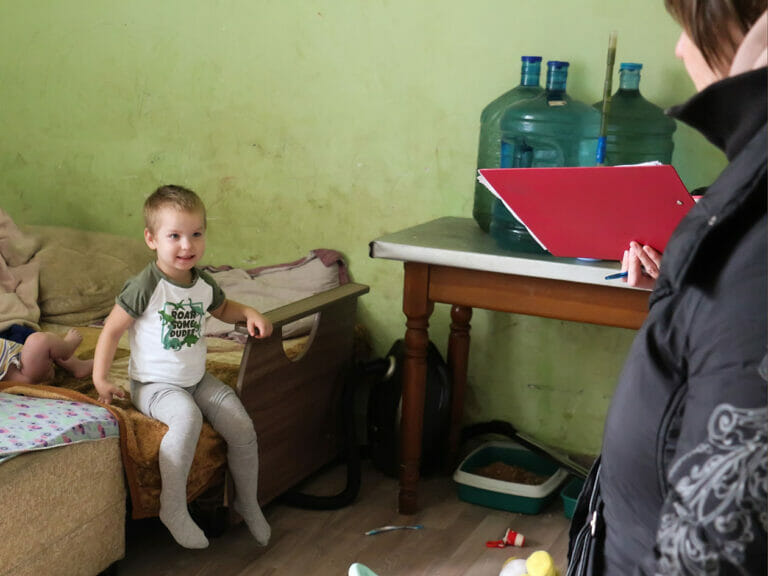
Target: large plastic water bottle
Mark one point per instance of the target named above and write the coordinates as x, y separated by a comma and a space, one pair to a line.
489, 145
636, 129
551, 129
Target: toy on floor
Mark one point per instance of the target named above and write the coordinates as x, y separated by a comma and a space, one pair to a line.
511, 538
360, 570
390, 528
539, 563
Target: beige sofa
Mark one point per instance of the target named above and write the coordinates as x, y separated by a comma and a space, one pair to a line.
64, 509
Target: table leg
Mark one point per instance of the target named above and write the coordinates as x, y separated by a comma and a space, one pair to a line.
458, 359
417, 309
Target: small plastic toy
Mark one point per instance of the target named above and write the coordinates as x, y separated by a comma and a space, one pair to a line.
511, 538
390, 528
358, 569
539, 563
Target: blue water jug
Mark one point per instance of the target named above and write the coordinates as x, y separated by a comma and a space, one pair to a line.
636, 129
551, 129
489, 142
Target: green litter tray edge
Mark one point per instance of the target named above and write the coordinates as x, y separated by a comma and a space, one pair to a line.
570, 495
503, 495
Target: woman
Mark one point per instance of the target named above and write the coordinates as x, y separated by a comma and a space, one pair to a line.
681, 485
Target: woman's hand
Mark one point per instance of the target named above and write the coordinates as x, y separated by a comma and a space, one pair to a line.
642, 265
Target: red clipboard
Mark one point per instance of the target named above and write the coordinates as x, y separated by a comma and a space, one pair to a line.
593, 212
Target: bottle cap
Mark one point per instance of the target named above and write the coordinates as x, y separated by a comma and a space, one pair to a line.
531, 58
630, 66
557, 64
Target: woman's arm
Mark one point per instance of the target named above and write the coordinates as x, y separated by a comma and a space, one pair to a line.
714, 457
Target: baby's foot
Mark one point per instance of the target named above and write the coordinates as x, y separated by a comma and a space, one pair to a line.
77, 367
73, 338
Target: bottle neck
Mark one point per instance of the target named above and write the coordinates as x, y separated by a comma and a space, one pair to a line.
556, 80
530, 73
629, 80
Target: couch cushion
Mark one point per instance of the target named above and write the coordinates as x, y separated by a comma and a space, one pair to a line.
81, 272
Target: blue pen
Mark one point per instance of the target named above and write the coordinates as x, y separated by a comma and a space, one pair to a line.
617, 276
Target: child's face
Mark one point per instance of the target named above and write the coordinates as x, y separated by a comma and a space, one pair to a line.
179, 240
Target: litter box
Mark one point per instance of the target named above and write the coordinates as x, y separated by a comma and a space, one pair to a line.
570, 495
502, 494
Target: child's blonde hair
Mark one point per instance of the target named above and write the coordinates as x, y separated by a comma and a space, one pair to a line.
178, 197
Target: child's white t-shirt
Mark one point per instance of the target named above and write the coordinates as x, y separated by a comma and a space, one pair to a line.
167, 338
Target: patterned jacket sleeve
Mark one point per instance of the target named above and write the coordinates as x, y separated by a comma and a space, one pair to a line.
715, 514
714, 517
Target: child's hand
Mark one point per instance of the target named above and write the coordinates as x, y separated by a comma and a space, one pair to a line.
258, 325
107, 392
231, 312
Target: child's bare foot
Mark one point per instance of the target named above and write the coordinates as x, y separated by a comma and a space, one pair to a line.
77, 367
73, 338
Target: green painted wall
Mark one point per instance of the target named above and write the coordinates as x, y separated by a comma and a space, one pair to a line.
308, 124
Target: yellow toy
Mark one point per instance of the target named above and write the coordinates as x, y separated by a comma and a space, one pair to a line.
539, 563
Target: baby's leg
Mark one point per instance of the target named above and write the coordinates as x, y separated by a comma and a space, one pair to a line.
41, 349
174, 407
225, 412
72, 364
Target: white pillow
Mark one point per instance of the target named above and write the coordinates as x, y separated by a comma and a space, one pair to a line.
274, 287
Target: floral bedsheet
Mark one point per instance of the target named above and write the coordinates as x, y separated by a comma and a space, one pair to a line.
28, 424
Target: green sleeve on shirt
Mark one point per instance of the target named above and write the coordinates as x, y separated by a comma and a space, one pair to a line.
218, 293
137, 291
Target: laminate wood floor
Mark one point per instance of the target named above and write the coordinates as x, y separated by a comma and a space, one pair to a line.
325, 543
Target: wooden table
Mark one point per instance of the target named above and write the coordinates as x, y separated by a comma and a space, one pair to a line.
450, 260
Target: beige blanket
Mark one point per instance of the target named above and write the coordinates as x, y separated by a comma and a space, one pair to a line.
18, 276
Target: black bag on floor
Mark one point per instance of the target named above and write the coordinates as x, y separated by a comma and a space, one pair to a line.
384, 412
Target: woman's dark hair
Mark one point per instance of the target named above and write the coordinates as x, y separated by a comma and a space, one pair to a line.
714, 25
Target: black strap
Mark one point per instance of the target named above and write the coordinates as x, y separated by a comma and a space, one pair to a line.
295, 497
587, 528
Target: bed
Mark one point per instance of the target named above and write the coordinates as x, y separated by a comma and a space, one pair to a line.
291, 385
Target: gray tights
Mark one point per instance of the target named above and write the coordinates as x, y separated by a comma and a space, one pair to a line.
182, 410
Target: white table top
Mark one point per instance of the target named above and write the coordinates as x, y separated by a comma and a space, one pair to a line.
459, 242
